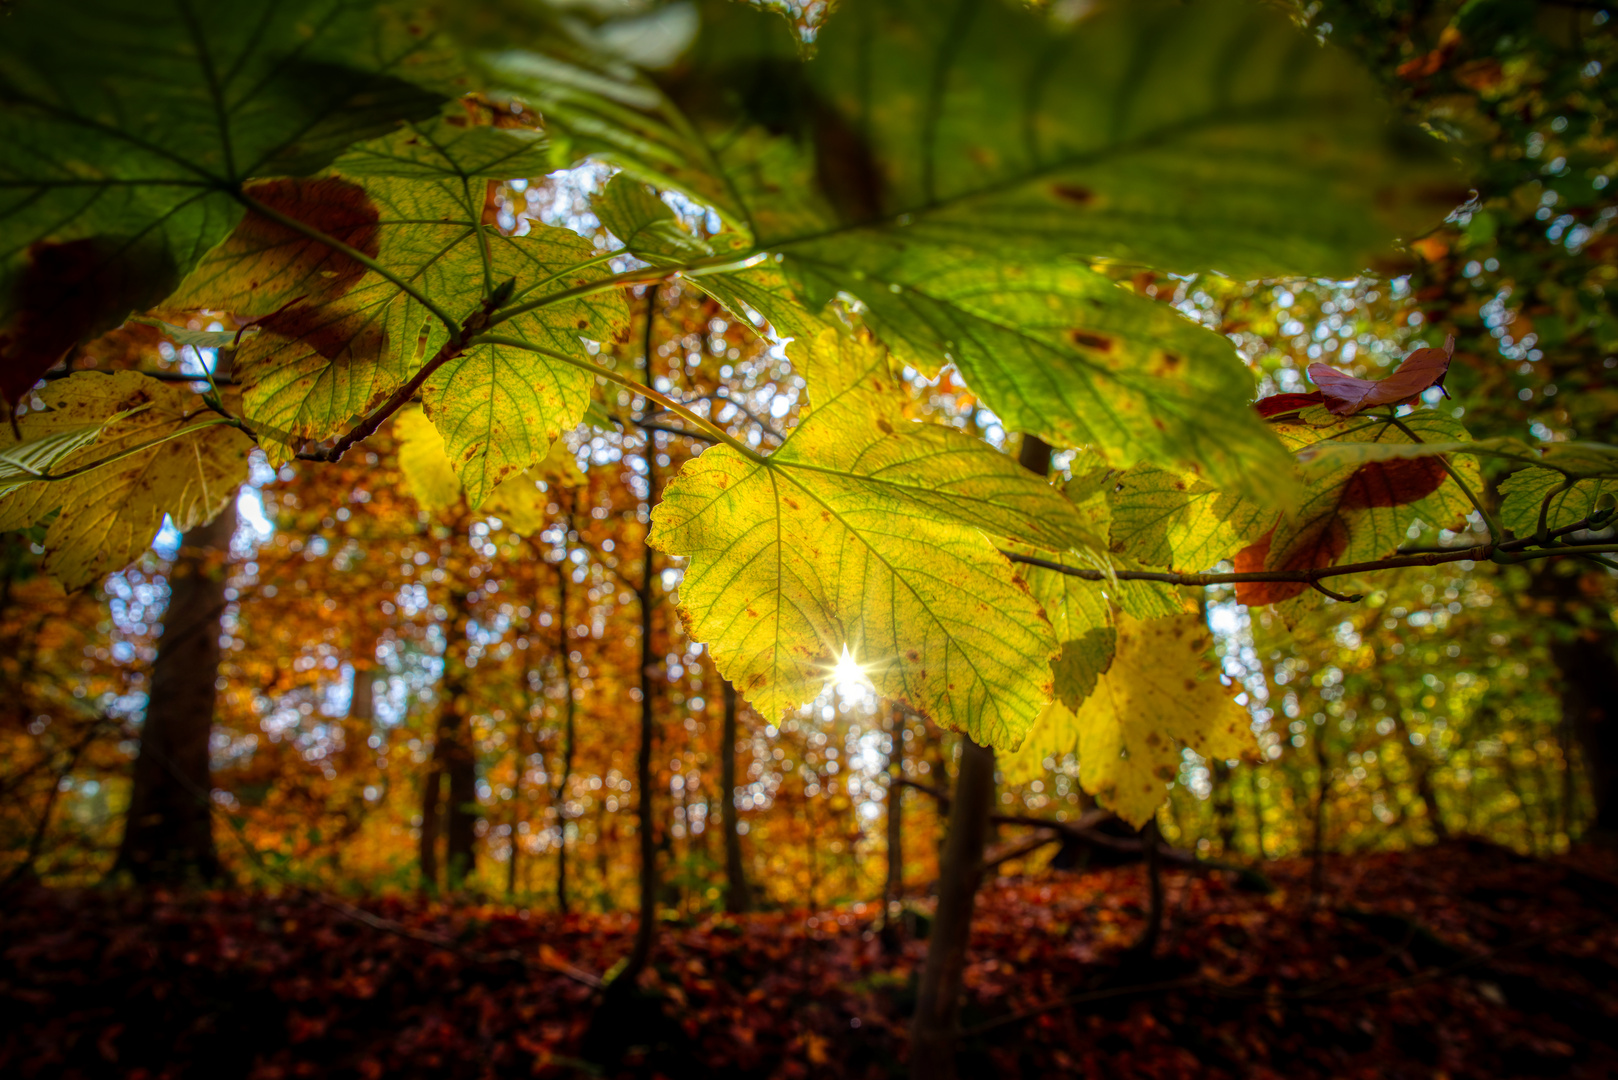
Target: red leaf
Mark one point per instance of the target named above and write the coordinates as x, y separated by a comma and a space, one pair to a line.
1392, 483
1278, 404
1346, 395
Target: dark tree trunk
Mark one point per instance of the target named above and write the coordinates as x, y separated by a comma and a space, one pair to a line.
738, 894
1421, 776
938, 997
646, 927
932, 1031
565, 659
168, 835
893, 891
1224, 806
453, 758
1585, 651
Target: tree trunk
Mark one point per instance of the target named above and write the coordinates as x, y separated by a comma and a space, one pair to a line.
893, 891
932, 1031
738, 894
565, 659
1224, 806
453, 757
1585, 652
646, 927
168, 834
1421, 775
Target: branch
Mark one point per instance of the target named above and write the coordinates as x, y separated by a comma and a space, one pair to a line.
1495, 532
396, 401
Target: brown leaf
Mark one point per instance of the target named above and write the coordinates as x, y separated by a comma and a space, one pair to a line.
1345, 395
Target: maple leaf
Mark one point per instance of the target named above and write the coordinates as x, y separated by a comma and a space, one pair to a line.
1159, 692
165, 452
1346, 395
868, 531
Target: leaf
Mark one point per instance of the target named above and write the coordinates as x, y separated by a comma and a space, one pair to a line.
428, 475
197, 339
1422, 369
118, 179
1063, 352
948, 170
165, 452
1159, 693
867, 531
1167, 518
1524, 492
648, 228
1083, 661
338, 337
25, 461
517, 501
1357, 512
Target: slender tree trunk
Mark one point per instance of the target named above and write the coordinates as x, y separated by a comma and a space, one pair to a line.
738, 894
646, 928
1421, 776
1151, 841
1322, 792
895, 884
932, 1031
168, 834
1258, 813
453, 758
1224, 806
565, 659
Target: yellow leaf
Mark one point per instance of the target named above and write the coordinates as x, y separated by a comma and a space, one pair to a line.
427, 472
1161, 693
165, 452
868, 531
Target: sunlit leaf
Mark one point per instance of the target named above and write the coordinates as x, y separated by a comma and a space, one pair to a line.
868, 531
1160, 692
634, 214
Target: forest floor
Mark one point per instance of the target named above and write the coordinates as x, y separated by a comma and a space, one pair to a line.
1457, 961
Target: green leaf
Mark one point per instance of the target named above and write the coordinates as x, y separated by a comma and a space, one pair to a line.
160, 450
1163, 517
871, 532
337, 337
945, 168
648, 228
129, 127
1524, 492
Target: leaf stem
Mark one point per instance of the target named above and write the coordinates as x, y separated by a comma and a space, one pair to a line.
358, 256
1496, 533
702, 423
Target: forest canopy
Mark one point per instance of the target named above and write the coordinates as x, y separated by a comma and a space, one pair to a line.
661, 456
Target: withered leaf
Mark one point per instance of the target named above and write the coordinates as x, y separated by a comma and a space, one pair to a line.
1345, 395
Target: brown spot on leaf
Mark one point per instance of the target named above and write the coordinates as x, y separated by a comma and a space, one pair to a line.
1088, 339
885, 427
1073, 193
